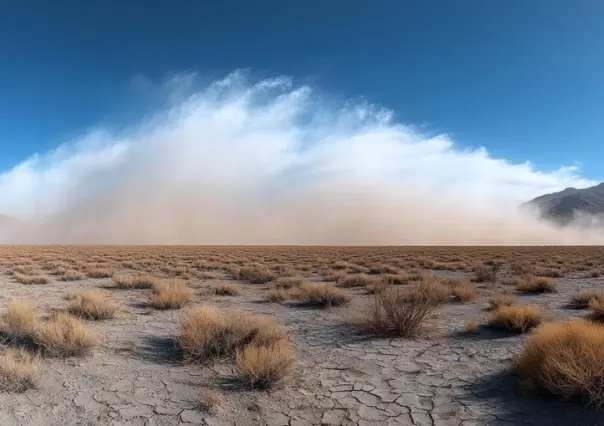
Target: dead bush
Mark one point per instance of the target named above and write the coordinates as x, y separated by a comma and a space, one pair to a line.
486, 273
171, 293
357, 280
72, 275
19, 323
207, 332
65, 336
517, 319
532, 284
93, 305
565, 358
210, 399
226, 289
264, 367
471, 327
322, 294
276, 295
29, 279
288, 283
100, 272
501, 300
18, 370
134, 281
463, 292
596, 310
253, 275
582, 300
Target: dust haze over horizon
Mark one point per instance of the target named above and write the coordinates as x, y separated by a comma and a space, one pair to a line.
271, 162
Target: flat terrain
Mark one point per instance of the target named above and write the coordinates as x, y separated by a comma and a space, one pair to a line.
445, 376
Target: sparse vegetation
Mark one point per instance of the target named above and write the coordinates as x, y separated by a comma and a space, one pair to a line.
583, 299
264, 367
253, 275
29, 279
322, 294
226, 289
18, 370
134, 281
532, 284
501, 300
516, 319
357, 280
276, 295
471, 327
65, 336
210, 399
463, 292
100, 272
19, 323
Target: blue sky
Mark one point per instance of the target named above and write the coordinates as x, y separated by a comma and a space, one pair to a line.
525, 79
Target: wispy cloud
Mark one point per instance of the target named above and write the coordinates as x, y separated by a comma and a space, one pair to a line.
269, 162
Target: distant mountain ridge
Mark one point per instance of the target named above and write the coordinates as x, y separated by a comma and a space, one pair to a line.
562, 207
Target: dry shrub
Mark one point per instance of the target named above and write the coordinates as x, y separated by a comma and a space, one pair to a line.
276, 295
209, 399
137, 281
25, 270
64, 335
471, 327
395, 279
100, 272
19, 323
517, 319
254, 275
29, 279
596, 310
463, 292
485, 273
264, 367
322, 294
226, 289
72, 275
93, 305
565, 358
288, 283
400, 311
335, 277
501, 300
594, 273
534, 284
18, 370
356, 280
207, 332
583, 299
172, 293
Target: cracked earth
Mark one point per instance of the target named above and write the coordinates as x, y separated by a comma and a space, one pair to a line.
340, 377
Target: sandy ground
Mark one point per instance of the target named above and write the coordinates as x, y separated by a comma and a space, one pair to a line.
341, 378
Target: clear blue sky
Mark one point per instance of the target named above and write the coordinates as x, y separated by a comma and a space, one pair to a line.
523, 78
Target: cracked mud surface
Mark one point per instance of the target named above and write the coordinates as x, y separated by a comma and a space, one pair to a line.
340, 378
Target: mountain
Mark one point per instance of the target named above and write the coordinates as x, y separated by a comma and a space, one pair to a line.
563, 206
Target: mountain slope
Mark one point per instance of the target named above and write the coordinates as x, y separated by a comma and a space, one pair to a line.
563, 206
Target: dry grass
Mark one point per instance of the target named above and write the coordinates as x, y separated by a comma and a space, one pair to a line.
264, 367
64, 335
29, 279
357, 280
207, 332
471, 327
209, 400
583, 299
594, 273
71, 275
532, 284
135, 281
19, 323
253, 275
100, 272
93, 305
596, 310
565, 358
226, 289
276, 295
172, 293
288, 283
463, 292
18, 370
322, 294
485, 273
399, 311
501, 300
517, 319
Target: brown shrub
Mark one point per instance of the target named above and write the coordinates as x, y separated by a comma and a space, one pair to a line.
400, 311
276, 295
471, 327
288, 283
226, 289
533, 284
517, 319
565, 358
29, 279
171, 293
501, 300
100, 272
322, 294
72, 275
356, 280
137, 281
485, 273
18, 370
395, 279
65, 336
596, 310
254, 275
463, 292
582, 300
594, 273
209, 400
19, 322
207, 332
264, 367
93, 305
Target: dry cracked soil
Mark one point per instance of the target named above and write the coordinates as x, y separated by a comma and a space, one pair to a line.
341, 377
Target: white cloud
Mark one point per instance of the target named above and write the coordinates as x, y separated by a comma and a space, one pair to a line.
228, 163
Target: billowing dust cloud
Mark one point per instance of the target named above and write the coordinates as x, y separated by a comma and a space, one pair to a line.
242, 162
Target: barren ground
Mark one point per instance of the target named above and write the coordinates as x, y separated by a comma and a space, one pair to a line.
447, 377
